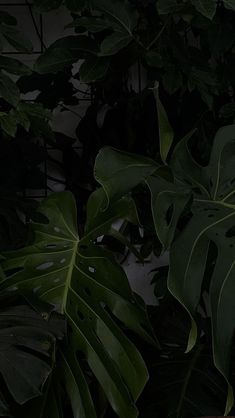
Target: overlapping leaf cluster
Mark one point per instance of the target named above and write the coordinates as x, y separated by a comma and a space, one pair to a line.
208, 193
87, 286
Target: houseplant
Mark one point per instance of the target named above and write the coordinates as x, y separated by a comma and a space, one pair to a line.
200, 200
153, 39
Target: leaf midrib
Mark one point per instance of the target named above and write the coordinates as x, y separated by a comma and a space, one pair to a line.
69, 276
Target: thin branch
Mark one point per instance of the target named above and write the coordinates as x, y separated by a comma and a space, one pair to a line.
159, 34
35, 23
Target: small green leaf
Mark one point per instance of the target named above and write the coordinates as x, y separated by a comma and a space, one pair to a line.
119, 172
8, 90
22, 119
8, 123
16, 39
14, 66
119, 14
64, 52
229, 4
94, 68
206, 7
114, 43
166, 134
35, 110
37, 116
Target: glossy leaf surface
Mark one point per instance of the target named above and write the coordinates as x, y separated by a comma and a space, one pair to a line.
86, 285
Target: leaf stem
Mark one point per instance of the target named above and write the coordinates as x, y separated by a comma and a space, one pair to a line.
158, 34
187, 379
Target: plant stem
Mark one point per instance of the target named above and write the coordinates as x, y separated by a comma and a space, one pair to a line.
188, 377
158, 34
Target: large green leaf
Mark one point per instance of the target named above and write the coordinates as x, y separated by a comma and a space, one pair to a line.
27, 345
64, 52
86, 285
213, 214
210, 220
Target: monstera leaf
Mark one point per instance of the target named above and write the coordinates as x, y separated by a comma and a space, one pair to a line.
209, 194
27, 345
86, 285
212, 220
119, 172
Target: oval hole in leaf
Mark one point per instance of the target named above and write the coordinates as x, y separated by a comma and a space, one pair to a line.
11, 272
35, 290
169, 214
87, 291
45, 266
80, 315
